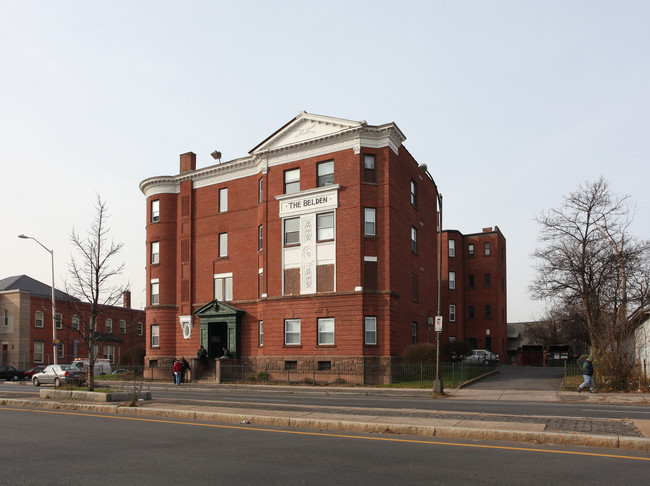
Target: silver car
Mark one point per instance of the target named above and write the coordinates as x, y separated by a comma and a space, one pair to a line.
481, 356
59, 374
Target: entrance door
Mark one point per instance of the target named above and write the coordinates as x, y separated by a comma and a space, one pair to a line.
217, 338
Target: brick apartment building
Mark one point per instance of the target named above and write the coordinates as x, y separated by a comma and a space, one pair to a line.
320, 246
474, 289
26, 328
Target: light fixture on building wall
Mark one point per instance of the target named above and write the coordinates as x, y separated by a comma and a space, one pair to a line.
216, 155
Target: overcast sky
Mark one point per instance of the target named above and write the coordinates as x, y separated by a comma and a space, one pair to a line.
511, 104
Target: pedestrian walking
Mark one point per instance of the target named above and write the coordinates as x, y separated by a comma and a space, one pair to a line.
178, 371
587, 375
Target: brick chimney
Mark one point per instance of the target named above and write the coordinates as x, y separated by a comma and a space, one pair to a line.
127, 299
188, 161
487, 230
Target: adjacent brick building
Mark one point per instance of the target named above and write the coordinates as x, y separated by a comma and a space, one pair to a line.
319, 246
26, 328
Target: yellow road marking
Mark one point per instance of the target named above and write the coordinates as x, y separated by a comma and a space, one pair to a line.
342, 436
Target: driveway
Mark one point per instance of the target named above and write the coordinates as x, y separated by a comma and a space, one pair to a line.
522, 378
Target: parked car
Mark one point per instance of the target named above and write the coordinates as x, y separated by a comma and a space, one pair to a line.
59, 374
31, 372
10, 373
481, 356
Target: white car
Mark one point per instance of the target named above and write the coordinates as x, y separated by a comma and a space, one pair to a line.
59, 374
481, 356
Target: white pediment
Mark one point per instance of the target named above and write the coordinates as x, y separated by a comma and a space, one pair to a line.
305, 128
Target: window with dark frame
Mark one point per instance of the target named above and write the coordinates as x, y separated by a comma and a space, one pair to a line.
488, 311
369, 174
470, 281
470, 312
414, 193
487, 280
260, 239
414, 239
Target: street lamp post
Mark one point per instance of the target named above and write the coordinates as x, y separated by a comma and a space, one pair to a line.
438, 388
54, 343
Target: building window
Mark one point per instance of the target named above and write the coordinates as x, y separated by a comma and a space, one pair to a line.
223, 200
486, 248
260, 238
488, 280
140, 329
470, 250
155, 292
452, 280
452, 312
324, 366
6, 317
260, 333
326, 331
109, 325
223, 287
292, 332
452, 248
488, 311
414, 239
290, 365
109, 352
260, 190
60, 350
75, 322
38, 319
291, 181
292, 231
325, 173
155, 252
325, 226
223, 245
414, 193
122, 326
369, 168
370, 330
414, 287
155, 336
470, 313
155, 211
414, 332
369, 222
470, 281
59, 321
39, 347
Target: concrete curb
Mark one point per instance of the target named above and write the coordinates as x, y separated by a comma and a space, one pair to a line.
385, 427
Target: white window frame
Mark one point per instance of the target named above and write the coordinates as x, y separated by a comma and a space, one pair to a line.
260, 333
326, 327
260, 190
292, 332
109, 352
58, 319
452, 312
39, 317
370, 330
414, 332
452, 248
292, 181
294, 232
155, 252
325, 230
486, 248
39, 351
223, 245
140, 329
325, 173
452, 280
223, 287
60, 350
109, 324
470, 249
414, 239
369, 222
223, 200
155, 336
260, 237
122, 326
155, 291
74, 322
155, 210
414, 193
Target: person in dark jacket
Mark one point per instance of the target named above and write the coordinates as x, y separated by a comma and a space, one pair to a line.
588, 375
186, 368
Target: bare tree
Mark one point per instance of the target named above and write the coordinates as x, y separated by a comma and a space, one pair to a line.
591, 264
92, 277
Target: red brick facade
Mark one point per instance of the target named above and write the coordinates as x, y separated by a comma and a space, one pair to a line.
322, 255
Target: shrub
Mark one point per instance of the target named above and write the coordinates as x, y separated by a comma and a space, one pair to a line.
420, 353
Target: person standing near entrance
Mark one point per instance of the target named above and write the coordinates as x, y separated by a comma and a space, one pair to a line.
588, 375
185, 368
178, 371
202, 355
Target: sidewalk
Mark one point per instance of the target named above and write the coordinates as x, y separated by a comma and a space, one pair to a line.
624, 434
